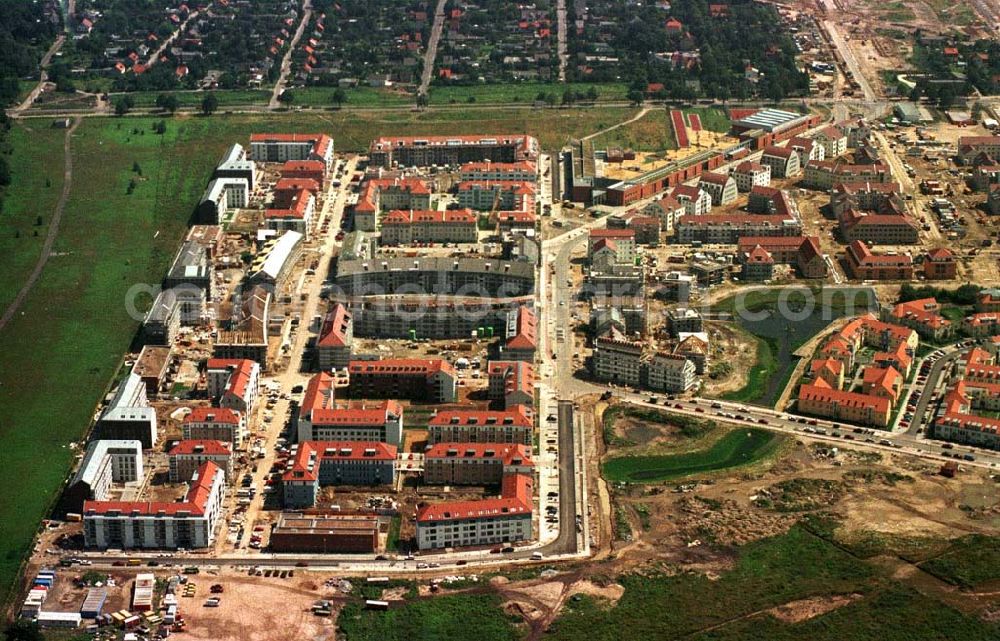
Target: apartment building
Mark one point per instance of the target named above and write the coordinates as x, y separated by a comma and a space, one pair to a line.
499, 195
511, 383
523, 171
284, 147
186, 457
316, 464
971, 146
771, 201
336, 338
275, 259
105, 462
386, 194
862, 264
818, 399
668, 209
834, 141
503, 520
721, 187
671, 373
512, 426
865, 196
802, 252
314, 170
940, 264
516, 222
879, 229
475, 463
981, 324
423, 151
236, 164
783, 161
808, 150
618, 360
436, 275
163, 320
520, 335
221, 196
751, 174
647, 230
427, 380
191, 278
294, 214
924, 317
245, 336
322, 418
128, 416
757, 265
729, 228
696, 201
234, 384
403, 227
215, 424
438, 317
825, 174
618, 244
189, 524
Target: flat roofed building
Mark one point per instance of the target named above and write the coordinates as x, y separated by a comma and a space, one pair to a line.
422, 151
438, 275
128, 415
284, 147
105, 462
325, 532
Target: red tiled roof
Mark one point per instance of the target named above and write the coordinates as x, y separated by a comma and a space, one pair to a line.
200, 446
778, 152
516, 417
847, 399
413, 216
426, 366
515, 500
297, 184
317, 451
213, 415
194, 501
526, 333
335, 325
714, 178
611, 233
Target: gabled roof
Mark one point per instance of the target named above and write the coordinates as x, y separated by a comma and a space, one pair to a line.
336, 326
207, 447
194, 504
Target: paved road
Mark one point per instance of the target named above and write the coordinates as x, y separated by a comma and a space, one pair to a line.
286, 61
155, 56
934, 375
432, 46
50, 236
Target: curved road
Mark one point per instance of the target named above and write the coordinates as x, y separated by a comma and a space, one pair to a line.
50, 237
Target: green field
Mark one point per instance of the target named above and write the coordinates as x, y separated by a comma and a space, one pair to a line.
525, 92
970, 562
767, 573
435, 619
37, 180
737, 448
226, 98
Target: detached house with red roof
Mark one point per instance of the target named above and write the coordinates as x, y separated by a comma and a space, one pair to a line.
189, 524
336, 337
322, 418
316, 464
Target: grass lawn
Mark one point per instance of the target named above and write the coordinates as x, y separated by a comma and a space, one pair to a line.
650, 133
442, 618
712, 118
766, 573
66, 344
738, 447
954, 314
356, 97
524, 93
226, 98
36, 183
971, 562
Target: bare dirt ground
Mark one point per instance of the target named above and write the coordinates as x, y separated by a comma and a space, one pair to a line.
805, 609
732, 345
